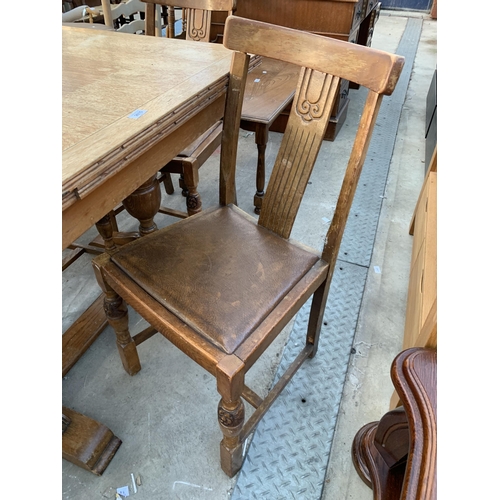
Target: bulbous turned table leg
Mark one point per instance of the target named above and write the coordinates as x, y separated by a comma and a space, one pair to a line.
143, 204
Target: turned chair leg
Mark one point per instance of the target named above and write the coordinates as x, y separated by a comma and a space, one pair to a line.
106, 226
261, 138
231, 413
117, 316
182, 185
143, 204
191, 179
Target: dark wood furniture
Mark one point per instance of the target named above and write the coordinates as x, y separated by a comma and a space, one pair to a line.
113, 149
220, 285
269, 91
396, 456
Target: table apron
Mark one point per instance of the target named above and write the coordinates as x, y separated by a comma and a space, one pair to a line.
84, 213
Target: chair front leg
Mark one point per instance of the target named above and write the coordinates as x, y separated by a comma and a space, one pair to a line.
117, 316
231, 413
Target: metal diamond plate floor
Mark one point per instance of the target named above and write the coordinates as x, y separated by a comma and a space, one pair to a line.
288, 455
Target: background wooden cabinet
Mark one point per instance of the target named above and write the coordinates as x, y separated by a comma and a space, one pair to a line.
422, 287
421, 306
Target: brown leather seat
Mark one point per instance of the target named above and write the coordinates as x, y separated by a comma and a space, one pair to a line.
222, 275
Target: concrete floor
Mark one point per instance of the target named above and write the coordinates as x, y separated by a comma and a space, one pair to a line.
165, 415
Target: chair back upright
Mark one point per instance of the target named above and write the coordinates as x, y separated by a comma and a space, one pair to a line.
198, 15
324, 62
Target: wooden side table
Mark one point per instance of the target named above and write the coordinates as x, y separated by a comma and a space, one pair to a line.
396, 456
269, 90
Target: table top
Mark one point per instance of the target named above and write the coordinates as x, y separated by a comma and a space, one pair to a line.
122, 94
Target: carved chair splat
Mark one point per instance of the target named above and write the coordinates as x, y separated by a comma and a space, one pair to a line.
220, 285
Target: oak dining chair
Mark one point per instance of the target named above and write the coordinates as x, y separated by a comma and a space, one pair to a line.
221, 285
197, 15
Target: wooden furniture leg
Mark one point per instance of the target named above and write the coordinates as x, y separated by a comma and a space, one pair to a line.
261, 138
82, 333
86, 442
269, 90
117, 315
143, 204
116, 310
231, 412
191, 178
85, 330
380, 451
171, 22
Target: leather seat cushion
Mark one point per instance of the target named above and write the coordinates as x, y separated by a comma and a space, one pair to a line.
219, 271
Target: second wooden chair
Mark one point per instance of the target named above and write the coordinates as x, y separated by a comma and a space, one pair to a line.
186, 163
